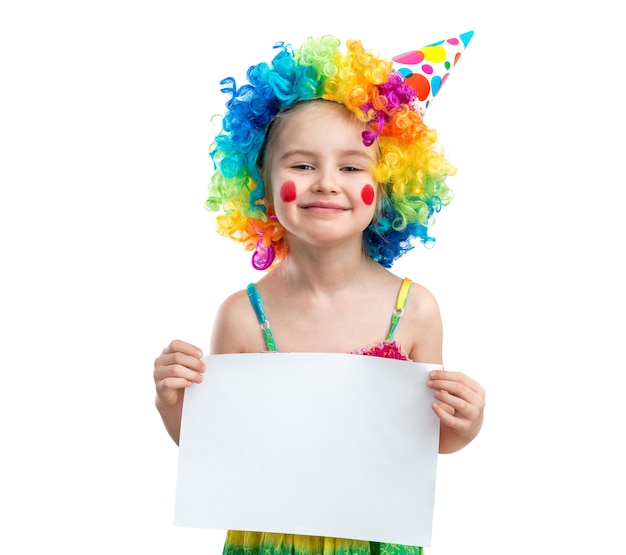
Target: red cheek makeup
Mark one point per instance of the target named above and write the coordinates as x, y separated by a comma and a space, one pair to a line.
288, 191
367, 194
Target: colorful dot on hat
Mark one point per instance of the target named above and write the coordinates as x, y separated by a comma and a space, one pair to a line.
430, 66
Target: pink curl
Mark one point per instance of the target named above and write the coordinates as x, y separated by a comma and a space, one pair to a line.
370, 136
263, 256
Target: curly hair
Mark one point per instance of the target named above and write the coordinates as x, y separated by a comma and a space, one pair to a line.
411, 169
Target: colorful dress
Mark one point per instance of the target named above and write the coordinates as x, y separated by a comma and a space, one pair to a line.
264, 543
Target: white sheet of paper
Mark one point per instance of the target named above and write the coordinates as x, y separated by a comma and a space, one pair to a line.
318, 444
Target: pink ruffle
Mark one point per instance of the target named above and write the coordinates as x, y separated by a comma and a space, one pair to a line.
386, 349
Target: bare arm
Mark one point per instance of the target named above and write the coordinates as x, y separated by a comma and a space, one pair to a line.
459, 400
235, 329
460, 407
175, 369
180, 364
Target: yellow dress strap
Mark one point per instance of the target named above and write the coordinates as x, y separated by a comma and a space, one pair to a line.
403, 295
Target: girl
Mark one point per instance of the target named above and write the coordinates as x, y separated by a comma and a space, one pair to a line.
326, 171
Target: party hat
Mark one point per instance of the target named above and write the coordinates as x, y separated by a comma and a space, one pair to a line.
427, 69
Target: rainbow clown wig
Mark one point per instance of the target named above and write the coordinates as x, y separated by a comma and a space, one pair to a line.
411, 169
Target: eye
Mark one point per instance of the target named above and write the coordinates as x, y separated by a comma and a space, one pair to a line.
351, 169
303, 167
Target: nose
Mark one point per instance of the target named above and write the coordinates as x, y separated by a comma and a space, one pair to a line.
326, 181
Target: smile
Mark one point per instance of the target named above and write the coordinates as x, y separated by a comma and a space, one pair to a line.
324, 207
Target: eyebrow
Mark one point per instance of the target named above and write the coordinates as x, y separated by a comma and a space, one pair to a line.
342, 153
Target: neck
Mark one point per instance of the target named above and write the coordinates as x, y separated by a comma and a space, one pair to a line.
327, 269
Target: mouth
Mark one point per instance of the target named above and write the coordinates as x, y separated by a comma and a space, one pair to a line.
324, 207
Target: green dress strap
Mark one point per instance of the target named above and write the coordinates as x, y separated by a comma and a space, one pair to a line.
270, 342
257, 304
403, 295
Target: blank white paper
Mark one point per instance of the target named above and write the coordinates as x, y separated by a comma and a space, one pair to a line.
319, 444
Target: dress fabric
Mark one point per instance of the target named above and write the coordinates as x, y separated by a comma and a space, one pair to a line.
239, 542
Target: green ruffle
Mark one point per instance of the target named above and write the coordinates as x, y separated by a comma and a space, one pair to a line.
264, 543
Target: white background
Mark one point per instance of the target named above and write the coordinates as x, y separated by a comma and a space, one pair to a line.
108, 254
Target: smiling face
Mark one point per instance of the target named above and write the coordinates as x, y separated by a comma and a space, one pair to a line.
319, 172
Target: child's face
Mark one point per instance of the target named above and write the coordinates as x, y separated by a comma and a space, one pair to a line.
322, 186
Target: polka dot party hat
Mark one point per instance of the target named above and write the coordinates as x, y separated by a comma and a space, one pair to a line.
427, 69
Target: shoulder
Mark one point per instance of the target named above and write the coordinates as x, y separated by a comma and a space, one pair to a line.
424, 325
236, 328
423, 304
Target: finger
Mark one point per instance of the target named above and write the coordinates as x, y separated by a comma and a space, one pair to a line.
455, 420
449, 409
460, 389
437, 376
458, 405
177, 371
180, 346
171, 383
446, 417
181, 359
455, 390
169, 390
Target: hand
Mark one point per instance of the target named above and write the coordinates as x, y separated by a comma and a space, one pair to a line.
460, 407
178, 367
